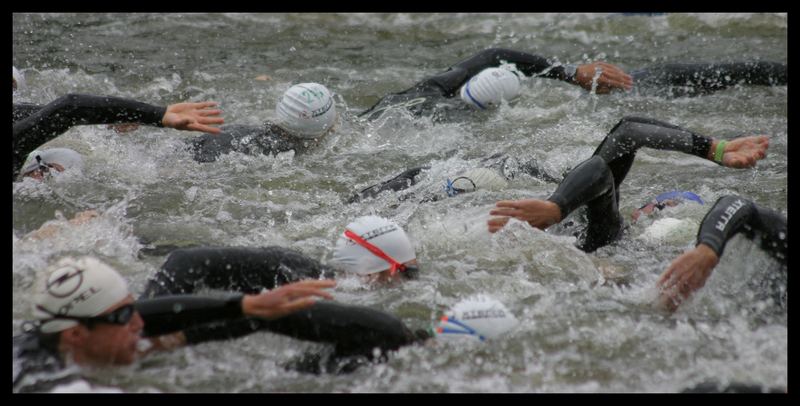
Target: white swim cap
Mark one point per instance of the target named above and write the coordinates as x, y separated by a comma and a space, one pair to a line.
486, 89
18, 77
477, 318
65, 157
306, 110
379, 232
479, 179
83, 287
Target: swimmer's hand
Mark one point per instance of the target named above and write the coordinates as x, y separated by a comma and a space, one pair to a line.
193, 117
610, 77
286, 299
742, 152
538, 213
685, 275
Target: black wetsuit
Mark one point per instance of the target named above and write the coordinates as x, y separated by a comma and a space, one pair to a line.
34, 124
505, 165
268, 139
354, 331
595, 182
430, 96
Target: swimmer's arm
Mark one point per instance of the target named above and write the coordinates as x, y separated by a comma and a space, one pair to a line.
733, 214
169, 314
184, 116
729, 216
50, 229
632, 133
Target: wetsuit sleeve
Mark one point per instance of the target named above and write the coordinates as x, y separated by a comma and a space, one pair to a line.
529, 64
708, 77
351, 329
24, 110
168, 314
399, 182
591, 183
733, 214
77, 109
240, 269
619, 147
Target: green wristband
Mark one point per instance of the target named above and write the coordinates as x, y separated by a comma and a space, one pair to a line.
720, 151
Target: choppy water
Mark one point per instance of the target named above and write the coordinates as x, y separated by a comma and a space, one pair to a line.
575, 335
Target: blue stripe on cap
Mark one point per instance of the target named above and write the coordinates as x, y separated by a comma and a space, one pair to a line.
469, 94
676, 193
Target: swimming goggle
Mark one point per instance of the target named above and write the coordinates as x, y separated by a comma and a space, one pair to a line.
464, 329
452, 191
120, 316
666, 199
395, 266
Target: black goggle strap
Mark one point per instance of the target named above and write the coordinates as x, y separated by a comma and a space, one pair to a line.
120, 316
452, 191
45, 168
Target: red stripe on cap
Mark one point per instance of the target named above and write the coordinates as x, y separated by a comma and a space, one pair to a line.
375, 251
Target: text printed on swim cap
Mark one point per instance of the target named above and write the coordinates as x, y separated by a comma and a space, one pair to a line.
376, 233
483, 314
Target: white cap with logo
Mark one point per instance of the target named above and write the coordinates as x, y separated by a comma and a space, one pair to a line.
83, 287
477, 318
65, 157
489, 87
306, 110
382, 233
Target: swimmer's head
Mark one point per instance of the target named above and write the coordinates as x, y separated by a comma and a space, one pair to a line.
75, 289
667, 199
18, 79
306, 110
486, 89
377, 247
42, 162
475, 179
477, 318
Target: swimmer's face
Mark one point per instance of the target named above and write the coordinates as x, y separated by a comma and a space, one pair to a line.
386, 278
40, 172
103, 343
651, 207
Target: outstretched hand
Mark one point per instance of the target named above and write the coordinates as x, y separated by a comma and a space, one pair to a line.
286, 299
193, 117
538, 213
743, 152
610, 77
685, 275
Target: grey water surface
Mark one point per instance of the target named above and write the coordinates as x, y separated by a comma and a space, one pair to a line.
578, 331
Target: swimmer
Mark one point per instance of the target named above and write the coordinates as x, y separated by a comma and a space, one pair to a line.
353, 332
305, 113
34, 124
595, 182
371, 246
376, 248
480, 82
85, 315
491, 173
730, 215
